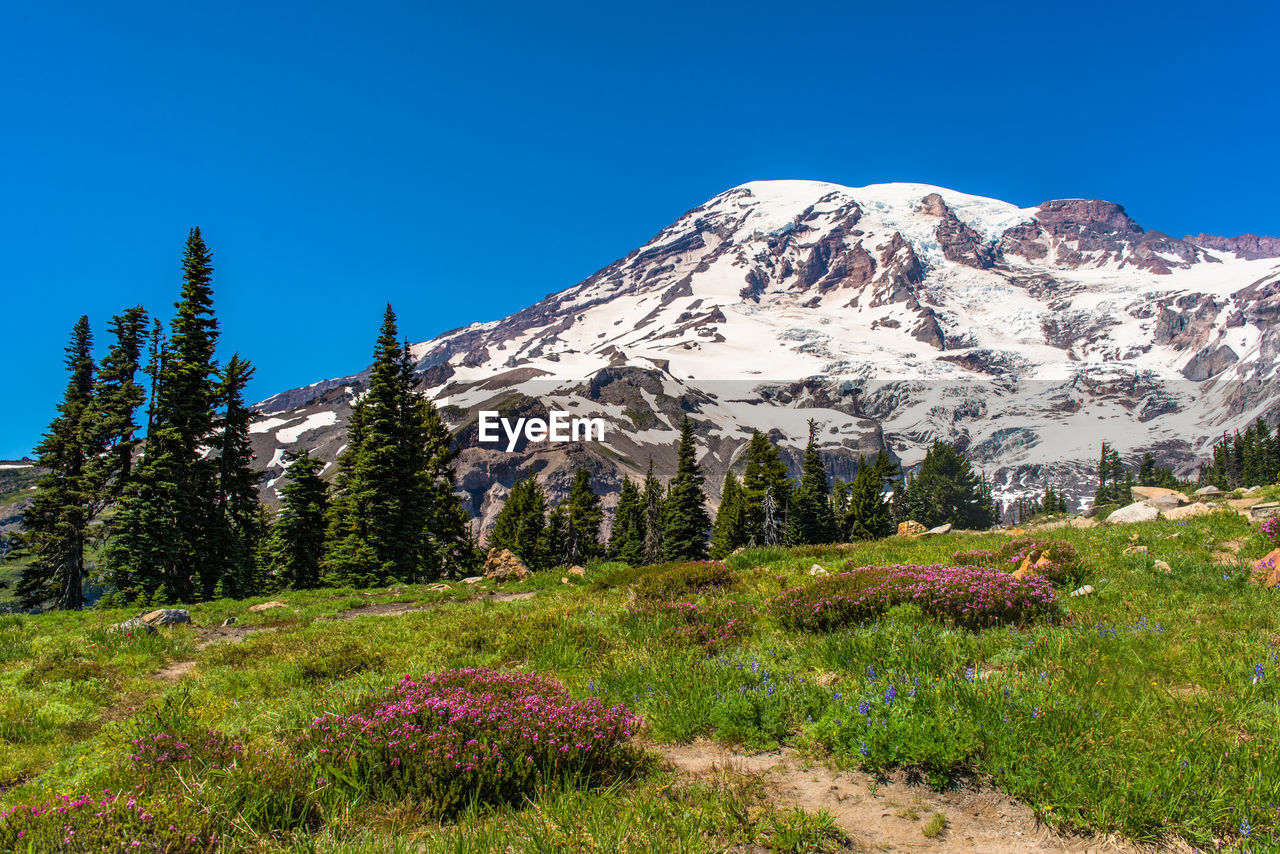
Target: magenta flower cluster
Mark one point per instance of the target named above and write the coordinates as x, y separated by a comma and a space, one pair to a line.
162, 750
471, 735
971, 597
118, 821
1271, 531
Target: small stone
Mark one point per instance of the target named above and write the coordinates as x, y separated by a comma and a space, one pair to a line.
1136, 550
817, 570
1082, 591
473, 579
938, 531
134, 625
579, 571
564, 580
1208, 490
229, 621
267, 606
1161, 566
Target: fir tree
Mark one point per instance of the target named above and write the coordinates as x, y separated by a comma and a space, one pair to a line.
117, 394
684, 514
556, 537
654, 498
585, 518
521, 526
55, 525
810, 519
297, 538
239, 509
948, 490
395, 516
626, 540
729, 531
766, 491
166, 527
869, 516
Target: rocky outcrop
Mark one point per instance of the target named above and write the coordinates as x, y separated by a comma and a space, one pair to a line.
1247, 246
959, 242
501, 566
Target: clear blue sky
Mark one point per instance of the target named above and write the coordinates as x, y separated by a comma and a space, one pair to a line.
462, 160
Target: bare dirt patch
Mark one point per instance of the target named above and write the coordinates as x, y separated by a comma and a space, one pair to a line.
211, 635
510, 597
175, 670
893, 814
380, 609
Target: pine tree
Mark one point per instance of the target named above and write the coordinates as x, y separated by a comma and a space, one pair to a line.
55, 525
585, 518
297, 538
766, 491
948, 490
869, 516
556, 536
729, 530
811, 519
395, 516
654, 498
626, 539
685, 522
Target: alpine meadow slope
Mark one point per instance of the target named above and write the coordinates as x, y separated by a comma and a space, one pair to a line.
893, 314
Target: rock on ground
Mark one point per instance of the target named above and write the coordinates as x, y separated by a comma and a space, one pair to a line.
910, 528
501, 565
1138, 512
1267, 570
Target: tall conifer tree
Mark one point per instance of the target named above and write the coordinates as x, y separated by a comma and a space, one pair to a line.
626, 539
685, 523
297, 539
810, 519
55, 525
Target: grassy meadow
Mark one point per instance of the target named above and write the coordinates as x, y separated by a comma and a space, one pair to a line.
1148, 710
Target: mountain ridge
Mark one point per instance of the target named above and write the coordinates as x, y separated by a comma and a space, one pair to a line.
894, 313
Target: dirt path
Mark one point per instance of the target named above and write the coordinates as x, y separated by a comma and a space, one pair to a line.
892, 815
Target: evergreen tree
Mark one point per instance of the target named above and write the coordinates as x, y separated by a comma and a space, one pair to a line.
395, 516
685, 522
869, 517
521, 526
55, 525
585, 518
810, 519
766, 491
297, 538
626, 540
729, 530
654, 498
117, 394
556, 537
948, 490
239, 517
166, 528
1251, 458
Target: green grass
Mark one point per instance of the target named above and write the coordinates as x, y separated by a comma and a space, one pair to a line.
1134, 714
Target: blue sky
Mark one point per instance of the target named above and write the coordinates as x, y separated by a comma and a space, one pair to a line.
462, 161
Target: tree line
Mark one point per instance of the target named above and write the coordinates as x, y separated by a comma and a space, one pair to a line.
168, 499
1251, 458
762, 507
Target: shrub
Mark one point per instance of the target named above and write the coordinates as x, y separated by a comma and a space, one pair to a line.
119, 822
1062, 563
710, 625
970, 597
674, 580
471, 735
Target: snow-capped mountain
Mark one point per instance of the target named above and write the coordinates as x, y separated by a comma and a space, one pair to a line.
892, 314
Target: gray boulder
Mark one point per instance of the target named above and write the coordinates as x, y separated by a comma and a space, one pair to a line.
1139, 512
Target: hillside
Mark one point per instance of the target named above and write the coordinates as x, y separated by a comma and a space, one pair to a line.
893, 314
1147, 711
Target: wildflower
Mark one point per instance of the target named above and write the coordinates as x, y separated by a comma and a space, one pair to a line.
1258, 673
889, 694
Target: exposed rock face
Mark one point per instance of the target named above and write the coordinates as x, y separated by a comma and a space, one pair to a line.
891, 314
910, 528
501, 565
1267, 570
1248, 246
